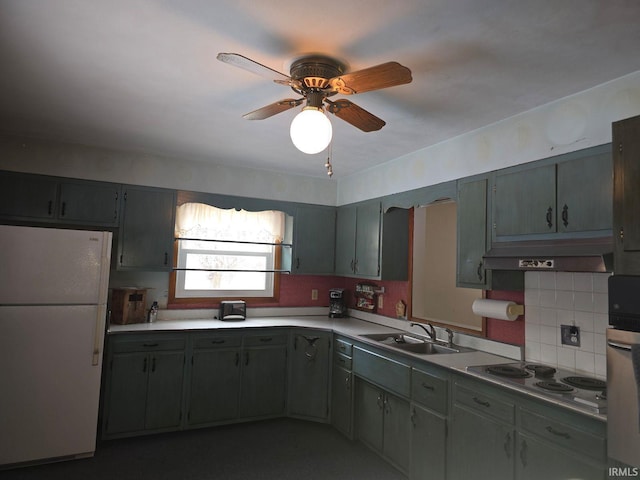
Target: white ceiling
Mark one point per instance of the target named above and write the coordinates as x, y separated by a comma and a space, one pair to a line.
142, 75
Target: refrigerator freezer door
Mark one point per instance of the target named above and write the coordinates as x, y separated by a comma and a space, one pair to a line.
50, 382
46, 266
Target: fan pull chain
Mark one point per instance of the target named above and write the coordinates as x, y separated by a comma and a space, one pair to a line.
328, 165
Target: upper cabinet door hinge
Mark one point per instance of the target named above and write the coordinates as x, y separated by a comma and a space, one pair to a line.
621, 234
620, 147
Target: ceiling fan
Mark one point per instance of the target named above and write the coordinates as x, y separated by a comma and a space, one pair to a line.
316, 78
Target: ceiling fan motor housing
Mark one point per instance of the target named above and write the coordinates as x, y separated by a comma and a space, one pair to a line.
315, 71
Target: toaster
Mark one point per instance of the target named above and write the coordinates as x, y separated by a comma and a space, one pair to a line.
232, 310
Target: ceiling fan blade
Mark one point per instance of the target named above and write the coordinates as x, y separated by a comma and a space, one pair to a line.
252, 66
355, 115
273, 109
384, 75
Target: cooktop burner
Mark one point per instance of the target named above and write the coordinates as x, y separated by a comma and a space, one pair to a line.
508, 371
587, 383
557, 385
553, 386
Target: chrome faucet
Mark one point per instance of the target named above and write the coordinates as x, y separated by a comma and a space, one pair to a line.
449, 337
431, 331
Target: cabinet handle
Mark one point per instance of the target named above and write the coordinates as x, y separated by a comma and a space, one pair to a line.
149, 345
153, 365
549, 215
50, 208
413, 417
266, 339
144, 365
237, 358
218, 341
64, 209
428, 387
297, 263
565, 216
523, 453
507, 444
484, 403
387, 407
351, 266
166, 258
379, 401
355, 267
555, 432
480, 271
347, 383
246, 358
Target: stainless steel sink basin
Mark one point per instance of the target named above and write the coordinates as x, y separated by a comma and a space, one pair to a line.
410, 343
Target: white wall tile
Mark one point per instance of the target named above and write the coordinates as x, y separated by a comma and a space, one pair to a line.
601, 282
547, 280
567, 358
532, 351
531, 332
549, 354
548, 335
601, 303
587, 340
532, 314
600, 343
601, 365
585, 321
583, 301
565, 317
564, 299
548, 298
583, 282
532, 297
531, 280
600, 322
585, 362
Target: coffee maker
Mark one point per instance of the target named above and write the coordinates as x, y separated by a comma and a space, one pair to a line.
337, 306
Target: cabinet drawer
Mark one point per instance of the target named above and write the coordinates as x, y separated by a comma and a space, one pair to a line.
147, 344
389, 374
343, 361
568, 436
343, 347
429, 390
265, 340
217, 341
485, 404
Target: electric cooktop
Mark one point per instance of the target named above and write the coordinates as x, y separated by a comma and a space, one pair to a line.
561, 386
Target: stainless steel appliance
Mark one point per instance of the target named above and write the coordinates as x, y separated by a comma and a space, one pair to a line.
623, 369
560, 386
53, 306
337, 305
232, 310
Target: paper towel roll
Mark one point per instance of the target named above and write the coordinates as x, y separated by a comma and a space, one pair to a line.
500, 309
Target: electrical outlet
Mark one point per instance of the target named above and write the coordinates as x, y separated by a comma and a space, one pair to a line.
570, 335
314, 294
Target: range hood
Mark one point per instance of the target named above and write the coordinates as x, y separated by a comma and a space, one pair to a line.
575, 255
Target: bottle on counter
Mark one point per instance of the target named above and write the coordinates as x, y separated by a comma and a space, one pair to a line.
153, 313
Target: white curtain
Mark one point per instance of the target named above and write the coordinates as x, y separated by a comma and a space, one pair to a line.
198, 220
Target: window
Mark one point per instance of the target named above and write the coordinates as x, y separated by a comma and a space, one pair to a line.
226, 253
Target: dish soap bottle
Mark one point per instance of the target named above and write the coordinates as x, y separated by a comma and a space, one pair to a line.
153, 312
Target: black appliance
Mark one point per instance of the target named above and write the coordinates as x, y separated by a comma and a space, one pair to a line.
560, 386
337, 305
232, 310
623, 370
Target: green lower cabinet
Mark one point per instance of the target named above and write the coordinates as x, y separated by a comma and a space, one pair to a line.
537, 459
428, 444
309, 375
264, 380
145, 392
342, 400
481, 447
215, 386
383, 423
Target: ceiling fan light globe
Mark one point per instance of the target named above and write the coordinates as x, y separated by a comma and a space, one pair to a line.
311, 130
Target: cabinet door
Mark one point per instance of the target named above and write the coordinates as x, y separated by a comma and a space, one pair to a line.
585, 194
264, 380
626, 196
368, 240
479, 444
538, 459
309, 381
127, 399
315, 237
397, 431
369, 404
29, 197
164, 396
89, 203
341, 400
145, 240
215, 386
345, 240
428, 444
525, 201
472, 233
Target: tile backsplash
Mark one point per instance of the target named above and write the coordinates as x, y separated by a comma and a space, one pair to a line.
563, 298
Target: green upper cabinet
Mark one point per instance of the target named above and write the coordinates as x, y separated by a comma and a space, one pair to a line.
146, 236
39, 198
370, 243
472, 233
626, 196
314, 240
561, 196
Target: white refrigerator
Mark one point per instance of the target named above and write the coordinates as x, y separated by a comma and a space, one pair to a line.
53, 305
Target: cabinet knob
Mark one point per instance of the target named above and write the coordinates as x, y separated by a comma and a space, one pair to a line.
549, 217
565, 216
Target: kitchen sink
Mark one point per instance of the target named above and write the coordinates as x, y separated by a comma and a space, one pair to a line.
410, 343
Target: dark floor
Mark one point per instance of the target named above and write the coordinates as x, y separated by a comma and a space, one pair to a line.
282, 449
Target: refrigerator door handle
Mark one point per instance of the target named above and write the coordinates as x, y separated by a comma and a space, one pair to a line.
98, 335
